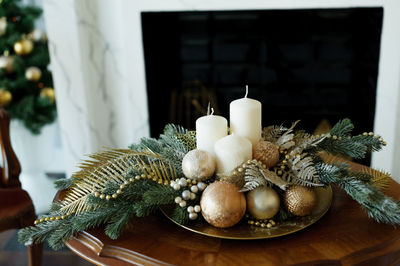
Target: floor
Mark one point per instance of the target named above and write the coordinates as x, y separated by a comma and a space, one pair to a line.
12, 253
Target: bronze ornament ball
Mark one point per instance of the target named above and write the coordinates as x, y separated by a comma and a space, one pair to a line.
300, 200
5, 97
23, 47
33, 73
48, 93
222, 205
7, 63
198, 165
267, 153
263, 202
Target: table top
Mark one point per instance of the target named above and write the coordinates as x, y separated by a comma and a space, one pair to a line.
345, 235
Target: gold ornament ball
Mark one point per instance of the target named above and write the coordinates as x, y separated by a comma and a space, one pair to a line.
48, 93
300, 200
3, 26
198, 165
222, 205
267, 153
33, 74
6, 63
23, 47
5, 97
263, 203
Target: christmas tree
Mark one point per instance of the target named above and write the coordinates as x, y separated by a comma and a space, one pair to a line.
26, 86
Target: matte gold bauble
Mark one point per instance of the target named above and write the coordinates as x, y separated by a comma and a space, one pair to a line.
263, 203
222, 205
3, 26
23, 47
267, 153
5, 97
6, 63
33, 74
198, 165
300, 200
48, 93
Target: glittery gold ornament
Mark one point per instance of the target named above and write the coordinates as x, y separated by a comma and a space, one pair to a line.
300, 200
33, 74
267, 153
23, 47
198, 165
3, 26
6, 63
263, 203
48, 93
222, 205
5, 97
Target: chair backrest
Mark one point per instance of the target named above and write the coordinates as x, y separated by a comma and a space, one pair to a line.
10, 169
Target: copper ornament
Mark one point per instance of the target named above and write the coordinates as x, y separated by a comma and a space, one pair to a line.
5, 97
300, 200
198, 165
267, 153
222, 205
263, 203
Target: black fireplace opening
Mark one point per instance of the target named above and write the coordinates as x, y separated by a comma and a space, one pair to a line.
316, 65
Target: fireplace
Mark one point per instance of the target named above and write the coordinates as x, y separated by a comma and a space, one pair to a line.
314, 65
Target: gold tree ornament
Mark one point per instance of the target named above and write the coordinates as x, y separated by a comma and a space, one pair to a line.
5, 97
267, 153
222, 205
7, 63
300, 200
3, 26
263, 202
48, 93
33, 74
37, 35
23, 47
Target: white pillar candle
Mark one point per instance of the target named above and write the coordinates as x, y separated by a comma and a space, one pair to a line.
245, 118
209, 129
231, 151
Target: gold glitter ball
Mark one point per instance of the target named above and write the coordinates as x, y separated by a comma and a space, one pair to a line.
300, 200
198, 165
222, 205
267, 153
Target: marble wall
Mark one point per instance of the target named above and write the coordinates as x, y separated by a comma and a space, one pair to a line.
98, 67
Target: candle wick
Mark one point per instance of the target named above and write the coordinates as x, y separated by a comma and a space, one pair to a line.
247, 91
212, 111
208, 108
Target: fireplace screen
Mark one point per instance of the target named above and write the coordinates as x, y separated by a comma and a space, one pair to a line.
314, 65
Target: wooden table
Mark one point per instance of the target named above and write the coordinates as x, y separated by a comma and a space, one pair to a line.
345, 235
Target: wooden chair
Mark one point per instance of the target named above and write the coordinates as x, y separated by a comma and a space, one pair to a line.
16, 208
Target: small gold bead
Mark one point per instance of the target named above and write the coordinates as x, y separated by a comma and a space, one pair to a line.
58, 218
281, 151
114, 196
384, 143
272, 222
36, 222
153, 174
46, 219
334, 137
297, 155
102, 196
249, 161
269, 225
328, 135
166, 183
108, 197
264, 166
240, 169
119, 191
189, 181
131, 179
41, 220
282, 167
365, 134
52, 218
263, 225
257, 223
137, 177
160, 181
250, 222
194, 182
96, 194
235, 172
287, 156
284, 161
126, 182
63, 216
154, 178
143, 175
279, 172
122, 186
149, 176
69, 213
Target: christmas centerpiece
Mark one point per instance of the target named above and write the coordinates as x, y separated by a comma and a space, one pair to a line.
218, 181
25, 81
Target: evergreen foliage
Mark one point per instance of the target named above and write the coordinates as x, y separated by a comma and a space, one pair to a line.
26, 104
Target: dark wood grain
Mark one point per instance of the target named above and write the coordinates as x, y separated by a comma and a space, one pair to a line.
344, 236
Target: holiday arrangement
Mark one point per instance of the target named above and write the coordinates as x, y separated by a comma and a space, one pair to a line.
260, 177
25, 81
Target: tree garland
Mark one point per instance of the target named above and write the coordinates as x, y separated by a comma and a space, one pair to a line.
116, 185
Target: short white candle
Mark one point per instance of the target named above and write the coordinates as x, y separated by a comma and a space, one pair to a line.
209, 129
245, 118
231, 151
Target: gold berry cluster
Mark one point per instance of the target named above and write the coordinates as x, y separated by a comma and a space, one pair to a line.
241, 168
267, 223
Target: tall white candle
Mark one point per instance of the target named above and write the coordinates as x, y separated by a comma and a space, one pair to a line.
245, 118
209, 129
231, 151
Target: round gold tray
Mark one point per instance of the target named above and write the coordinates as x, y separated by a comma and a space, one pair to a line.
244, 231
